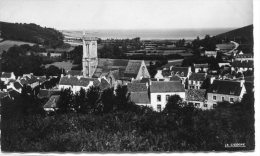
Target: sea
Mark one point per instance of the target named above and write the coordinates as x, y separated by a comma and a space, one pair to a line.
152, 34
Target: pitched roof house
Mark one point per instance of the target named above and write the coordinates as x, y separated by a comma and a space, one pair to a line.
75, 83
139, 93
242, 66
126, 69
160, 91
196, 97
201, 67
51, 104
225, 90
196, 80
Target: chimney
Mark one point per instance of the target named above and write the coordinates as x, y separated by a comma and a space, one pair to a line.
212, 79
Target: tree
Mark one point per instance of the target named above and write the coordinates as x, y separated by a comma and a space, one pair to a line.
173, 104
64, 103
53, 71
122, 97
92, 100
79, 100
108, 100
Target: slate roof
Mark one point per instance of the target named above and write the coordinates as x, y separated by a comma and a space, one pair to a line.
133, 66
18, 85
137, 87
46, 93
210, 52
41, 78
175, 78
6, 75
140, 97
74, 81
195, 95
32, 80
126, 68
166, 73
180, 70
170, 64
244, 56
249, 79
225, 46
23, 81
205, 65
166, 86
145, 80
52, 102
197, 76
243, 64
104, 84
74, 72
225, 87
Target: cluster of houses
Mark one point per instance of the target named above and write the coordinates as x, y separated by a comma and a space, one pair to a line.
12, 85
193, 84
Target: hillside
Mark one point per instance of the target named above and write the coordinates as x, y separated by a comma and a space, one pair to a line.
31, 33
243, 36
6, 44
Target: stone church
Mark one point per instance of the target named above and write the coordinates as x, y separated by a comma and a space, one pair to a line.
115, 71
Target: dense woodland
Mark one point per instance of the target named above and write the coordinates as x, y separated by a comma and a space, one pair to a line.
22, 60
101, 121
31, 33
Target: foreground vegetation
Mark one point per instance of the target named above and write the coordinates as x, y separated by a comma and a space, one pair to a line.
179, 127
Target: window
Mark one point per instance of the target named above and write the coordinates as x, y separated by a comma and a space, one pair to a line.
223, 99
159, 98
205, 105
167, 97
214, 97
197, 104
231, 99
159, 108
214, 105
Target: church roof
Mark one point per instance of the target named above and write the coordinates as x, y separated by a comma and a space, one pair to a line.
137, 87
140, 97
121, 68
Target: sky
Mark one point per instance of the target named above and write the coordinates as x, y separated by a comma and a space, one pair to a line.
129, 14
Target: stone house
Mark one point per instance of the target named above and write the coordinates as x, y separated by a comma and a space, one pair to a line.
195, 80
7, 76
225, 90
196, 97
160, 91
201, 67
139, 93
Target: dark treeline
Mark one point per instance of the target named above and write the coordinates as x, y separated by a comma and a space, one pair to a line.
31, 33
102, 121
22, 60
208, 42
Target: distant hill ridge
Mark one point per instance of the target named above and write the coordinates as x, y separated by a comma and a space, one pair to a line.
31, 33
243, 35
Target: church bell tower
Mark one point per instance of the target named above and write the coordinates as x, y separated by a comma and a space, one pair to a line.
89, 60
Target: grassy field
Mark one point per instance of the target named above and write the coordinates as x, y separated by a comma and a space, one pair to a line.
5, 45
65, 65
